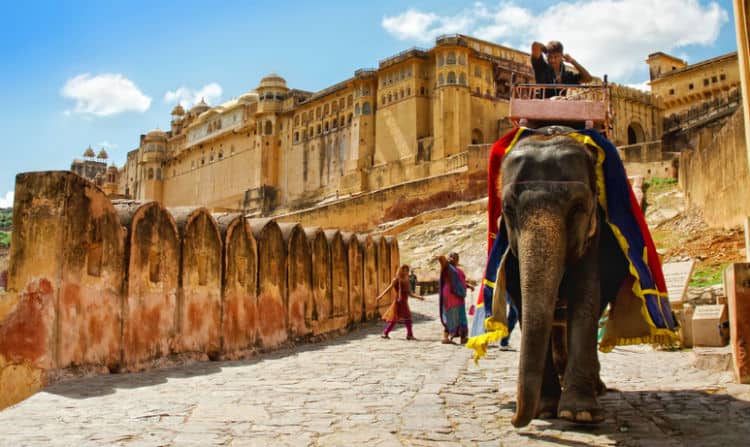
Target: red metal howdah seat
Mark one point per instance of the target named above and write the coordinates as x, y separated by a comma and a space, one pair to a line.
577, 106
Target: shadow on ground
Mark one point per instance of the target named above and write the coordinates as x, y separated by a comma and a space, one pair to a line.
176, 367
676, 417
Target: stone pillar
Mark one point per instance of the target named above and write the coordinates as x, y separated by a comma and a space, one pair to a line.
321, 281
742, 28
299, 277
339, 279
239, 327
272, 286
356, 276
199, 298
737, 289
370, 285
385, 272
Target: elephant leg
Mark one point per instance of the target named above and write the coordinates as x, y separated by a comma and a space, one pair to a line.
579, 401
550, 397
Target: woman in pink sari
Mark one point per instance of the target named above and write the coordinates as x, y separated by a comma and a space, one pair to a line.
452, 292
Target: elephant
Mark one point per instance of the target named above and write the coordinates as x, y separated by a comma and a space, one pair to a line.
563, 266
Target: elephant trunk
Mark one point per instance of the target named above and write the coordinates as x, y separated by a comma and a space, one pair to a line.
541, 258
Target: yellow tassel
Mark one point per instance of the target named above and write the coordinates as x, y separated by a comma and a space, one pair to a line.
495, 331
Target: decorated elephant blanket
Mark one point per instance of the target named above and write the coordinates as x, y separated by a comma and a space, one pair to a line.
639, 315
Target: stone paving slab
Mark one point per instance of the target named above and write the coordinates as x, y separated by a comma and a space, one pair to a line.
364, 391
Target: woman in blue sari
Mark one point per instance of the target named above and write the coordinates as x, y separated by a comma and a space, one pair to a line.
452, 293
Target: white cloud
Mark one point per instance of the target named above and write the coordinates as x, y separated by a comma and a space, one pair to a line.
611, 37
187, 97
642, 86
104, 95
7, 201
107, 145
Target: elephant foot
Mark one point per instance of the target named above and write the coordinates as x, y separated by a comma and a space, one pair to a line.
548, 407
580, 409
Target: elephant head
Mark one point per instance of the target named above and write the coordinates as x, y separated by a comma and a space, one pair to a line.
548, 192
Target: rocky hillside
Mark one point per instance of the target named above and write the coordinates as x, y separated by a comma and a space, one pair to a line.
462, 228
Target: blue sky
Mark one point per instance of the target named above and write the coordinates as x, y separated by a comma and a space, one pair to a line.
101, 73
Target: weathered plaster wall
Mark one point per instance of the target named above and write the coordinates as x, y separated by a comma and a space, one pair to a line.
240, 284
299, 279
103, 286
715, 176
199, 297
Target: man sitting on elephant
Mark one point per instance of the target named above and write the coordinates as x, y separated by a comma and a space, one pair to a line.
553, 70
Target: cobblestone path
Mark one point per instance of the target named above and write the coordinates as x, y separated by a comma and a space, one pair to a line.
360, 390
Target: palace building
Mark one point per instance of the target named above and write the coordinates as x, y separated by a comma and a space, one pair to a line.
277, 148
682, 86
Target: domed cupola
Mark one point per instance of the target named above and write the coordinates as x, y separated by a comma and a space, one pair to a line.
200, 107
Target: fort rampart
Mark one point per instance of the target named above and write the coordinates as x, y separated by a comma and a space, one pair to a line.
101, 286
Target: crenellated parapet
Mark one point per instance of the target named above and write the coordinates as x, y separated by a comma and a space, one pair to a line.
99, 286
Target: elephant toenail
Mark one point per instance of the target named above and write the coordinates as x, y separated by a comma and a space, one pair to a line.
565, 414
583, 416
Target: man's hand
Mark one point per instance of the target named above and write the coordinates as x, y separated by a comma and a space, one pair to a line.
569, 59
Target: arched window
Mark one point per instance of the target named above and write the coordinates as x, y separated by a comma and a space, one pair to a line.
408, 91
318, 112
296, 120
451, 78
334, 123
477, 137
366, 109
342, 122
462, 79
477, 72
441, 79
390, 98
402, 93
296, 137
461, 59
349, 100
349, 119
334, 107
441, 61
356, 109
403, 73
150, 173
342, 103
421, 90
320, 128
451, 59
325, 110
366, 91
383, 100
325, 127
221, 155
158, 173
269, 128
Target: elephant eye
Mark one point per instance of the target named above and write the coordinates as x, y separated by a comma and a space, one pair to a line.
575, 210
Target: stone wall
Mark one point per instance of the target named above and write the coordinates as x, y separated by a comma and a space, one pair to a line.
467, 181
715, 175
98, 286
